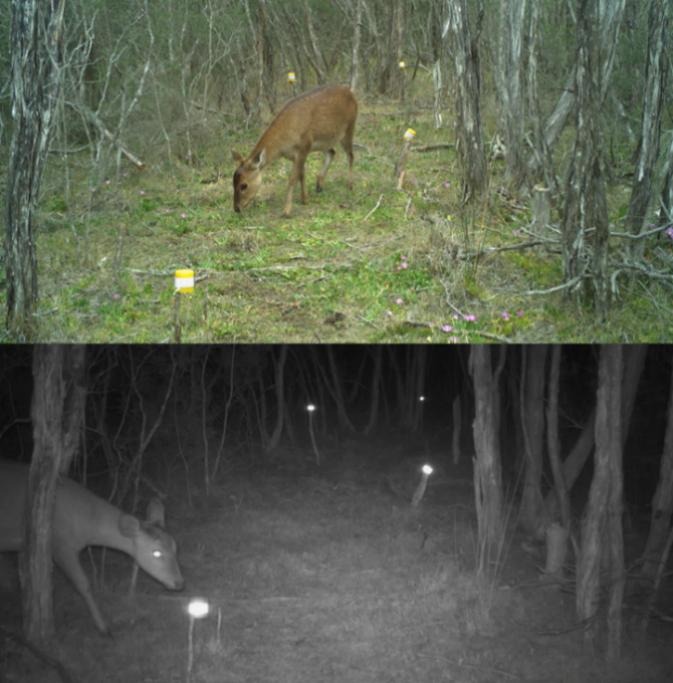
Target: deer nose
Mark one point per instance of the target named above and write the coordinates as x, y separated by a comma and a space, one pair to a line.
237, 209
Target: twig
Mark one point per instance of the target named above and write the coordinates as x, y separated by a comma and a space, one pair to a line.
492, 250
374, 209
368, 322
112, 138
566, 285
495, 337
628, 235
432, 148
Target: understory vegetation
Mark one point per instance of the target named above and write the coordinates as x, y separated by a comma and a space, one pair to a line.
173, 87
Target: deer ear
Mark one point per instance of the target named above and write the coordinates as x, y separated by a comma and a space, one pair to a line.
155, 513
237, 157
260, 159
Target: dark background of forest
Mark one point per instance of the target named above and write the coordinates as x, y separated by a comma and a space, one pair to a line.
128, 385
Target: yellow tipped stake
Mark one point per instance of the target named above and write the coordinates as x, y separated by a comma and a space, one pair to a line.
184, 284
402, 159
311, 409
198, 608
420, 489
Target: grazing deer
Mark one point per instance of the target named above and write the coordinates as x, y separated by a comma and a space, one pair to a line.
81, 519
313, 122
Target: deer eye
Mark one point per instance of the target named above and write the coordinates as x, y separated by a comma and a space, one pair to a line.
244, 186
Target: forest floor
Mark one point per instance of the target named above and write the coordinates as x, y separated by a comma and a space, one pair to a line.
373, 265
329, 574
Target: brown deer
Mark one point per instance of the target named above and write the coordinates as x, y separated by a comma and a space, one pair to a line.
312, 122
83, 519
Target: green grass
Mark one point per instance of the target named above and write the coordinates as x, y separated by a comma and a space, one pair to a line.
333, 271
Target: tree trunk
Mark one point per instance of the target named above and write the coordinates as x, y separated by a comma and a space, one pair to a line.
36, 39
532, 419
666, 201
611, 19
515, 164
487, 466
650, 127
457, 425
315, 56
469, 133
418, 369
436, 44
279, 376
396, 50
553, 444
57, 412
379, 48
355, 49
601, 524
257, 34
337, 392
585, 203
544, 168
634, 360
375, 392
662, 503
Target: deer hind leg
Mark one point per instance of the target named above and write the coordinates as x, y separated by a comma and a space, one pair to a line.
329, 155
72, 568
347, 144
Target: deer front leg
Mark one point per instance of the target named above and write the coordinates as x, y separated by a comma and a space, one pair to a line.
297, 175
329, 155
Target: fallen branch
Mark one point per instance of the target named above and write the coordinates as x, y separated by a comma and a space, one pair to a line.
432, 148
509, 247
374, 209
113, 139
566, 285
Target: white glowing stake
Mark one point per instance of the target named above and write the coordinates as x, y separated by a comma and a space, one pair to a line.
420, 489
311, 409
197, 609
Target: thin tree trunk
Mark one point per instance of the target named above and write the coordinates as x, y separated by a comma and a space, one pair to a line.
36, 40
469, 132
601, 524
57, 411
279, 377
375, 392
420, 357
437, 56
585, 204
544, 164
457, 425
666, 201
487, 466
553, 443
609, 32
662, 502
257, 34
515, 164
397, 50
532, 418
315, 57
337, 392
355, 49
634, 361
650, 127
611, 443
